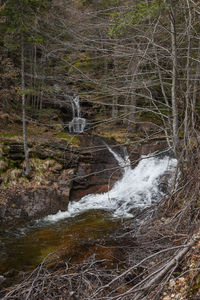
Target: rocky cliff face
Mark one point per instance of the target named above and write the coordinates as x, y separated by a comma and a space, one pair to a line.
97, 168
59, 172
47, 188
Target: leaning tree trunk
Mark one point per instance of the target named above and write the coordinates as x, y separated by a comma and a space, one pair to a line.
26, 151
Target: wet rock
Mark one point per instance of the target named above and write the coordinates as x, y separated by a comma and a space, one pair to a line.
152, 147
97, 170
44, 201
37, 201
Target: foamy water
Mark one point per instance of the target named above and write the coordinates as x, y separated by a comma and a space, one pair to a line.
138, 188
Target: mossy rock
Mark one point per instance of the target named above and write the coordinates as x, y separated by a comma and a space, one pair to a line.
5, 148
41, 169
73, 140
11, 177
42, 166
119, 136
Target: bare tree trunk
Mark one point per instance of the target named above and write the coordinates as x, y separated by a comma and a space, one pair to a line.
174, 79
187, 94
26, 151
132, 70
164, 96
115, 96
195, 89
34, 78
41, 98
114, 107
132, 115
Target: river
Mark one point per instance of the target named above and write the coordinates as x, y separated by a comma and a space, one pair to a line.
24, 245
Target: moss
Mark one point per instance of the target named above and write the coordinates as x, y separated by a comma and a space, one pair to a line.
181, 134
11, 177
83, 64
41, 169
83, 61
41, 166
12, 163
98, 117
74, 140
10, 134
5, 148
149, 116
118, 135
5, 185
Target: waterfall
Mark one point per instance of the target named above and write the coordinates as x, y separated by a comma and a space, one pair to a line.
77, 124
124, 163
76, 107
138, 188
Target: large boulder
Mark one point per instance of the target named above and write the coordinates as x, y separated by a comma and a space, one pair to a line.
36, 202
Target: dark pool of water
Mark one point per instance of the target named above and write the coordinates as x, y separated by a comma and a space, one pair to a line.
24, 246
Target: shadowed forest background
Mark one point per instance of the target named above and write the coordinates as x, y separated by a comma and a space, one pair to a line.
135, 66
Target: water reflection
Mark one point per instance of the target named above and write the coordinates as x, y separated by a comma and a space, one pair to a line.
25, 246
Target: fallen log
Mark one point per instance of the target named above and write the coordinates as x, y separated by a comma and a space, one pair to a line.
155, 280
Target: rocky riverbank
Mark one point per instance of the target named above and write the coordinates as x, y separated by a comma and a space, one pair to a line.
60, 171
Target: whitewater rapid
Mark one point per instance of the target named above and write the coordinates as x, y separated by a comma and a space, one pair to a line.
139, 187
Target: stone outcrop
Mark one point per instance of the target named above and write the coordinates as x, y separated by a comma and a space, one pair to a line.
97, 170
35, 202
45, 191
156, 145
59, 173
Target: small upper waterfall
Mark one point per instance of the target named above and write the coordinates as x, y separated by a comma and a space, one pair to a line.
77, 124
138, 188
76, 107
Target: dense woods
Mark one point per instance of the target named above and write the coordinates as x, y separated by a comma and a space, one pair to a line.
135, 59
136, 67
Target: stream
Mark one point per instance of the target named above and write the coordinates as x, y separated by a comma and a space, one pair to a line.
24, 245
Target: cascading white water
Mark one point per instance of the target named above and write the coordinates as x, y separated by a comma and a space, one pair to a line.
77, 111
138, 188
77, 124
124, 163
